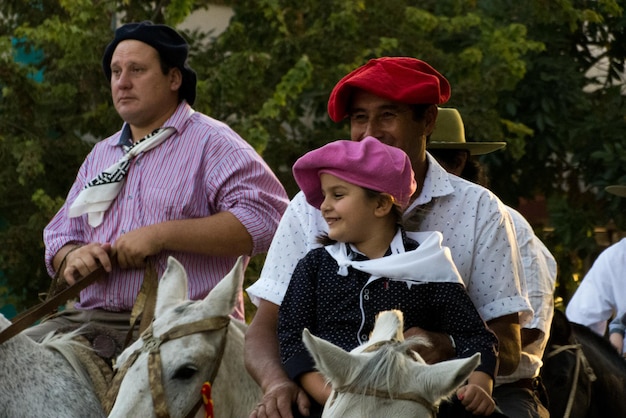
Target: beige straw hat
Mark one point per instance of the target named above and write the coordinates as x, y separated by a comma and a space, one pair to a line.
617, 190
449, 133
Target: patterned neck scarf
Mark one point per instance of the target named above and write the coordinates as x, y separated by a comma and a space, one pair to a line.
96, 197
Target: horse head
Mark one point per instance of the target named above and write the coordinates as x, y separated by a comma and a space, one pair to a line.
564, 371
189, 343
384, 377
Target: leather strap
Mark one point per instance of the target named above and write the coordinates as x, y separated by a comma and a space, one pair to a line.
143, 309
27, 318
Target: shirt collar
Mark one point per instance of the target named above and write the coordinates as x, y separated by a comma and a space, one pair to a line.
436, 184
177, 120
399, 239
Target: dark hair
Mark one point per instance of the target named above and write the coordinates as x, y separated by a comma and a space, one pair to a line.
165, 69
450, 159
419, 110
396, 213
477, 172
473, 170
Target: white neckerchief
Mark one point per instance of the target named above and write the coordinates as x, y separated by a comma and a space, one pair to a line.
430, 262
100, 192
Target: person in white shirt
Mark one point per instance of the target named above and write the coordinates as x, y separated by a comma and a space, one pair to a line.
521, 393
601, 295
395, 99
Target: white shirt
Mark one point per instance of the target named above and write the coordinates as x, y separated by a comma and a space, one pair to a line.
602, 293
475, 225
540, 271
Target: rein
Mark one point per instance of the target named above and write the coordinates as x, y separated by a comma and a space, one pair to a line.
576, 350
385, 394
152, 346
27, 318
144, 305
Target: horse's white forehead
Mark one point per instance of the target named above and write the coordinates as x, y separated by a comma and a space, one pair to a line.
185, 312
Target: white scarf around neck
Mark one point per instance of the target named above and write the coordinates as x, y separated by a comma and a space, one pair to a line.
430, 262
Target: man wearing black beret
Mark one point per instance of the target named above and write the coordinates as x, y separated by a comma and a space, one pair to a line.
171, 181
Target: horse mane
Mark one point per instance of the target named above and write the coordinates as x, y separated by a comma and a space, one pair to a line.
383, 366
67, 344
380, 373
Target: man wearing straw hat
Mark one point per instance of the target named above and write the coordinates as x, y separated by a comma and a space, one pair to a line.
518, 394
602, 293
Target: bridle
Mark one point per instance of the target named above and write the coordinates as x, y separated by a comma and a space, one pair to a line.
152, 346
581, 361
385, 394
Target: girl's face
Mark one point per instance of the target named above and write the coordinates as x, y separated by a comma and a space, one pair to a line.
348, 211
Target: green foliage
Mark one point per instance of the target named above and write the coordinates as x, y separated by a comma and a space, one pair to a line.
577, 132
517, 71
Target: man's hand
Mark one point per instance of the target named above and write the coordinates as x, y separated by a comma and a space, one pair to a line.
278, 400
81, 261
440, 349
263, 363
134, 247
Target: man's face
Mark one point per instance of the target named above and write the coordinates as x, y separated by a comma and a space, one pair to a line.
142, 94
390, 122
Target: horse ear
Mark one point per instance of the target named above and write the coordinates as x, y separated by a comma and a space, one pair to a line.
223, 297
442, 379
333, 362
4, 322
172, 286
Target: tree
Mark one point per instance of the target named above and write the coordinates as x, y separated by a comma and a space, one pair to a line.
516, 69
48, 126
576, 115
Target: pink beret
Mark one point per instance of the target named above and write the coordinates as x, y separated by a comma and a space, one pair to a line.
401, 79
368, 163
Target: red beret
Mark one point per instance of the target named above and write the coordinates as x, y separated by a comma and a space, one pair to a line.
401, 79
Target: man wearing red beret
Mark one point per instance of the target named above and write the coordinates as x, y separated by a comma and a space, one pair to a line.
394, 99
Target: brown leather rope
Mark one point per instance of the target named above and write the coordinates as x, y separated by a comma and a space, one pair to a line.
144, 303
27, 318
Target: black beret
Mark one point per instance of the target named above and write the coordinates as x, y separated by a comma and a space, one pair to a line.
172, 48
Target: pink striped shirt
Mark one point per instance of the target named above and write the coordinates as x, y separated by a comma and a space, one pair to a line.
203, 169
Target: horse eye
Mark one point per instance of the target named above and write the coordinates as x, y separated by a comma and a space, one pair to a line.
185, 372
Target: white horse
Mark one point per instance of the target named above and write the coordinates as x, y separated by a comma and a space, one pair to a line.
44, 379
195, 340
384, 377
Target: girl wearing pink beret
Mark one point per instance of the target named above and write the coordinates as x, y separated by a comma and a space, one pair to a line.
370, 264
